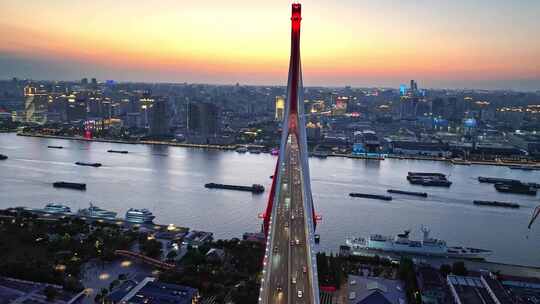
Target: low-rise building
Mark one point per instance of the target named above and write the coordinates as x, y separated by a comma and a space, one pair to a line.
21, 291
196, 238
254, 237
420, 148
477, 290
432, 286
374, 290
215, 254
150, 290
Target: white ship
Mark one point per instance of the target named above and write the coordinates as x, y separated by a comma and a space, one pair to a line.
402, 244
139, 216
56, 208
97, 212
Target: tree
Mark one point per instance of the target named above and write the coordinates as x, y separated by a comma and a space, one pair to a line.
151, 248
171, 255
445, 269
50, 293
408, 276
458, 268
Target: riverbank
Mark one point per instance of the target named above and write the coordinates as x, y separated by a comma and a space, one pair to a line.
130, 142
475, 265
502, 163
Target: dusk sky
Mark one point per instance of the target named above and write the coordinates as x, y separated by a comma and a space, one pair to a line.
441, 43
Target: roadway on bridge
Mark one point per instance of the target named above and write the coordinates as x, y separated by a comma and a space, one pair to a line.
288, 279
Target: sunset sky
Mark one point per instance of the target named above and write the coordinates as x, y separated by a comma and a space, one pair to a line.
441, 43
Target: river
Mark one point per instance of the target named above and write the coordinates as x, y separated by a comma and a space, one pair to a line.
169, 181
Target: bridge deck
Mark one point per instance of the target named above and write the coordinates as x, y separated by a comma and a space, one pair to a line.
287, 276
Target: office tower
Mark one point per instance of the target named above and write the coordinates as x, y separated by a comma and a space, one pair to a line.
76, 108
35, 104
280, 108
414, 87
408, 107
402, 90
159, 125
133, 120
35, 107
202, 118
455, 109
341, 105
437, 107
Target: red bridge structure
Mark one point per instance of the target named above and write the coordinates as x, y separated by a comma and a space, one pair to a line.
289, 266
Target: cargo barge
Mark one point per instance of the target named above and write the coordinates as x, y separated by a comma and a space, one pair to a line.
495, 180
88, 164
516, 188
421, 194
371, 196
496, 204
255, 188
55, 147
507, 181
118, 151
76, 186
428, 179
426, 174
524, 167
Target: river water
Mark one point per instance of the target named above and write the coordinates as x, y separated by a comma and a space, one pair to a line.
169, 181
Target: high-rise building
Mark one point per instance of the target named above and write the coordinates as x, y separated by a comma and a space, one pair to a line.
76, 108
414, 87
409, 102
341, 105
280, 108
159, 125
408, 107
93, 84
35, 107
313, 131
145, 103
402, 89
437, 107
202, 118
455, 109
317, 106
35, 104
133, 120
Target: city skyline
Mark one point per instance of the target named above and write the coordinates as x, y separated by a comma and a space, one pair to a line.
484, 45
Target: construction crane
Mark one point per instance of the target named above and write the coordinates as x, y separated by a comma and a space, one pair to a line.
535, 215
